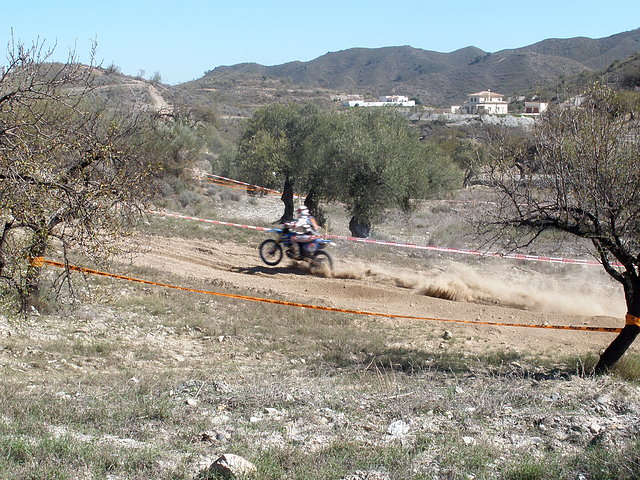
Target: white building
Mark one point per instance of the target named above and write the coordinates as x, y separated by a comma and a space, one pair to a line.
485, 102
384, 101
397, 100
534, 108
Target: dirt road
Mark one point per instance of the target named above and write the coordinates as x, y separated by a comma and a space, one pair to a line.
451, 291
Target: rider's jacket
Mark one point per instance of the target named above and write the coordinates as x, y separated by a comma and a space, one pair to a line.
303, 225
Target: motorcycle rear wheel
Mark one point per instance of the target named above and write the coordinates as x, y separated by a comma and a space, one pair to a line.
270, 252
322, 261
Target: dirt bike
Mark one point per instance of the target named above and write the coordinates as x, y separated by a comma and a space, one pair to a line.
313, 251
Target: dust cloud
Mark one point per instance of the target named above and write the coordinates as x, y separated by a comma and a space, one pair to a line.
583, 292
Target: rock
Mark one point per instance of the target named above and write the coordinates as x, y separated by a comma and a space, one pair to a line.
208, 436
220, 419
398, 428
469, 440
213, 436
447, 335
363, 475
222, 387
230, 466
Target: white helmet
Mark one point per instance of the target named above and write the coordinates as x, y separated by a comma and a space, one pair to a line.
302, 210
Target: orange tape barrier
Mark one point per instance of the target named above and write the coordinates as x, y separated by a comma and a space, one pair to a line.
222, 183
39, 261
632, 320
231, 183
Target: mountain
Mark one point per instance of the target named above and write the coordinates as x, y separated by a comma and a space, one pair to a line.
361, 66
439, 79
626, 72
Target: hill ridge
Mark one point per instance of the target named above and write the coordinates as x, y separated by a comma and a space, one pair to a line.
440, 78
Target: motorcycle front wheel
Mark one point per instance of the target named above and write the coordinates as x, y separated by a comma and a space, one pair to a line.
270, 252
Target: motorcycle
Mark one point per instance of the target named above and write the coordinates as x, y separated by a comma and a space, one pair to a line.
313, 251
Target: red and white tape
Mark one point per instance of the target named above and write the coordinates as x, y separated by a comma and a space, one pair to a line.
514, 256
478, 253
216, 222
517, 256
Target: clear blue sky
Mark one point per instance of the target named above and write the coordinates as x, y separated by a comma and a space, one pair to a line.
183, 39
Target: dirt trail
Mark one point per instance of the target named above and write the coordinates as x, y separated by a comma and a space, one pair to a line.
466, 294
160, 104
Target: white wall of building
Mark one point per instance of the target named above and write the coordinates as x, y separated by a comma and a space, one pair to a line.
534, 108
387, 100
485, 102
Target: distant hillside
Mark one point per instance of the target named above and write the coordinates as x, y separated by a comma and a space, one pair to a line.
358, 67
626, 72
435, 78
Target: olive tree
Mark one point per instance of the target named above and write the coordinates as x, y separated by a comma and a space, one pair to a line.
381, 165
583, 178
272, 149
71, 172
368, 159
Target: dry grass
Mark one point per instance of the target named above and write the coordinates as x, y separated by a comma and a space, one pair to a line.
152, 384
138, 382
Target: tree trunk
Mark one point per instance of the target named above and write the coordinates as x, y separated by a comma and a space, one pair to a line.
30, 289
617, 348
287, 199
3, 242
312, 204
625, 338
359, 228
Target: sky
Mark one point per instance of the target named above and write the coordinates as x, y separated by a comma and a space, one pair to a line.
181, 40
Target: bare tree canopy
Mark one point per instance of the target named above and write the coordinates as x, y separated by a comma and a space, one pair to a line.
581, 175
70, 169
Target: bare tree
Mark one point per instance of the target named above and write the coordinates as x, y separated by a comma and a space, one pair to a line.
581, 175
71, 172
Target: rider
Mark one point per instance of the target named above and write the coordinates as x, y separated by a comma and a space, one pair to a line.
305, 227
